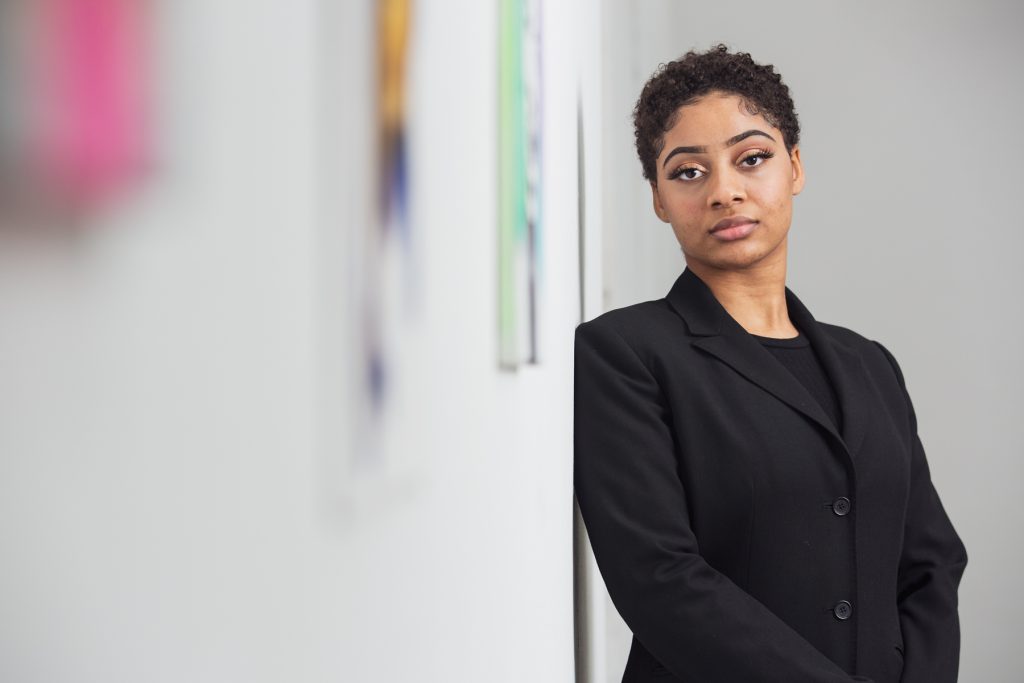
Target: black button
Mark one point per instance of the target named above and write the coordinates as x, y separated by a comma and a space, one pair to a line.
843, 610
841, 506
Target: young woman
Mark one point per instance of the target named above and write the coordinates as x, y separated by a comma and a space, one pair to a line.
752, 482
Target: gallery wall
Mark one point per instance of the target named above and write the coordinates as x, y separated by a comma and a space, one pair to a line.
178, 494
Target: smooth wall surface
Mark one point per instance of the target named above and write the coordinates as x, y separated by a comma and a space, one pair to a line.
908, 230
174, 377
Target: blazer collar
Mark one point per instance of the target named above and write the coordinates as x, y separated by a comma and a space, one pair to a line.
719, 334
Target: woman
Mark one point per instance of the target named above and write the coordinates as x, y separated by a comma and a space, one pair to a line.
751, 479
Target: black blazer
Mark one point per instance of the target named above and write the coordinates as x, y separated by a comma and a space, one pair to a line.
740, 536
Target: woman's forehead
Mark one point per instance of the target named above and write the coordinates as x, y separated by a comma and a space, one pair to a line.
714, 119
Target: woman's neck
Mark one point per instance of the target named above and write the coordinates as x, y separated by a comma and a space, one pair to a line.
754, 297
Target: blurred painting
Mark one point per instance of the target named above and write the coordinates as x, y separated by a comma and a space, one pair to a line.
387, 289
73, 92
520, 181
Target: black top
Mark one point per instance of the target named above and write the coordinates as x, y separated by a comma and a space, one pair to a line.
740, 541
798, 356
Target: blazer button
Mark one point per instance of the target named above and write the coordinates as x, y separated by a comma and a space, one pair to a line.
842, 506
843, 610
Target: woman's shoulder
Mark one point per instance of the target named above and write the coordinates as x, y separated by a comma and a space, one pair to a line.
871, 351
856, 341
845, 335
636, 323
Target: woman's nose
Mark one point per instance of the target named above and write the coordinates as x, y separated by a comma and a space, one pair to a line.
726, 188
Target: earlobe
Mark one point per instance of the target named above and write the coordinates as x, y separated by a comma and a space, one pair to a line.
798, 171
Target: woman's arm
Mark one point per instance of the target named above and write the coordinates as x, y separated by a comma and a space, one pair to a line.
931, 564
693, 619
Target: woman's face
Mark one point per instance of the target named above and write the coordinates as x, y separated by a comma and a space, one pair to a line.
721, 166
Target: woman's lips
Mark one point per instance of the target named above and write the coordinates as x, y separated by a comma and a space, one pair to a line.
734, 230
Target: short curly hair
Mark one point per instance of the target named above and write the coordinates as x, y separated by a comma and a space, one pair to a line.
684, 80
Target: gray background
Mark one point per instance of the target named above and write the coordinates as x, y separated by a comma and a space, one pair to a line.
909, 231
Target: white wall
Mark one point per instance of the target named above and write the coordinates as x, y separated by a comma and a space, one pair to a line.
174, 380
470, 577
909, 231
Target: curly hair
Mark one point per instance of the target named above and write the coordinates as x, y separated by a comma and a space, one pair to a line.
684, 80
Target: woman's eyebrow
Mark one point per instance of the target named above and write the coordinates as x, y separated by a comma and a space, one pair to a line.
700, 149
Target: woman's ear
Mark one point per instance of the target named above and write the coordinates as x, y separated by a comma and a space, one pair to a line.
658, 208
798, 170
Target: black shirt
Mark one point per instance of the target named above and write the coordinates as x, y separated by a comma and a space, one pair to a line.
797, 356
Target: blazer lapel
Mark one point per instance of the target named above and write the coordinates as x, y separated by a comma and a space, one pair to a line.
719, 334
844, 367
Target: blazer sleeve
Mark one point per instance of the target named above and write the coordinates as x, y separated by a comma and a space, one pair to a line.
932, 561
694, 620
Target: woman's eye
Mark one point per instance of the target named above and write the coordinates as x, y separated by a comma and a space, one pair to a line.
687, 173
755, 159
